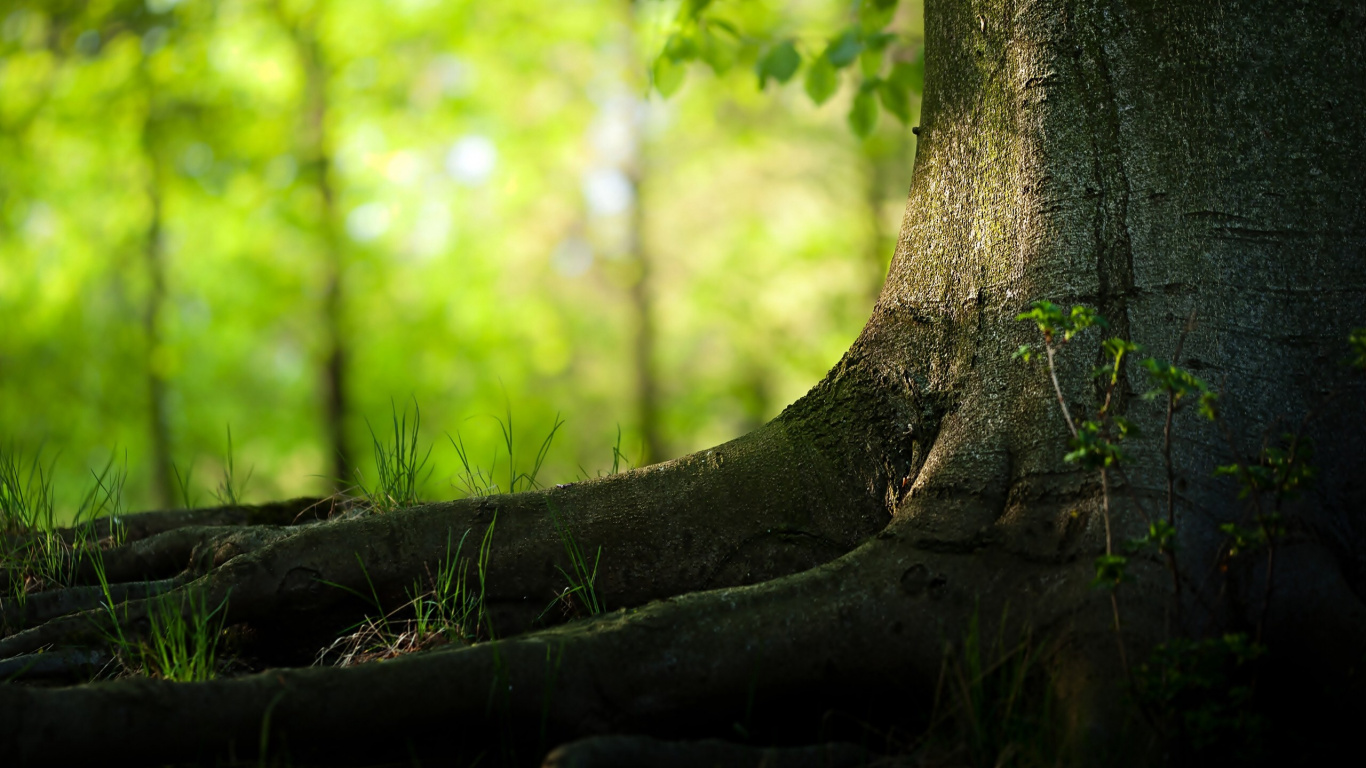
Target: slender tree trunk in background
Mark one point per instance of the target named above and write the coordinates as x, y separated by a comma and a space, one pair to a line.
653, 447
154, 257
316, 148
643, 344
1141, 157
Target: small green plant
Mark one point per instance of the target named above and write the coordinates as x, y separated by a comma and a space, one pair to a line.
619, 460
449, 610
1197, 692
473, 481
618, 457
45, 558
183, 633
183, 486
1201, 691
1094, 443
183, 637
25, 495
113, 616
398, 467
229, 491
581, 594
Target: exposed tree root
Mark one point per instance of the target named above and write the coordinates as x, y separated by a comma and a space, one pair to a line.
661, 529
42, 607
773, 658
636, 751
142, 525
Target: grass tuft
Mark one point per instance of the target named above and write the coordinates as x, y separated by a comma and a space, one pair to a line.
450, 609
473, 481
398, 468
183, 633
25, 495
994, 704
581, 595
229, 491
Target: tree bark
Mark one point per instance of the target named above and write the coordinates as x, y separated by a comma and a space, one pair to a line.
1147, 159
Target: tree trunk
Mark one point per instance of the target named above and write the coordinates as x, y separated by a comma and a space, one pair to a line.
1151, 160
317, 151
154, 257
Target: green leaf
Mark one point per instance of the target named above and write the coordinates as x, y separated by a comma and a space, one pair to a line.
821, 80
895, 100
724, 26
691, 9
1357, 341
844, 49
717, 53
909, 75
667, 75
876, 14
780, 63
1110, 571
870, 62
681, 47
863, 115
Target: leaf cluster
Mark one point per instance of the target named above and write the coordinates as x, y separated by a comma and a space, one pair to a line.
1203, 690
702, 33
1283, 470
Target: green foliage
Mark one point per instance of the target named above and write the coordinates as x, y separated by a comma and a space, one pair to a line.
1116, 348
1356, 340
1111, 571
1246, 540
204, 107
1161, 536
822, 80
710, 32
779, 63
1053, 322
1198, 692
1202, 690
1281, 470
863, 115
397, 465
1096, 445
449, 609
188, 500
1177, 383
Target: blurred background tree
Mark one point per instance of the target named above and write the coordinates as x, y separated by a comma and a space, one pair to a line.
290, 217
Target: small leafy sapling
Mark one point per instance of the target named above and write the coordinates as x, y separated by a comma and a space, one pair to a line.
1177, 386
1095, 442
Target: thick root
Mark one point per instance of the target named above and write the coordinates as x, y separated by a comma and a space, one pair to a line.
755, 509
635, 751
864, 634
